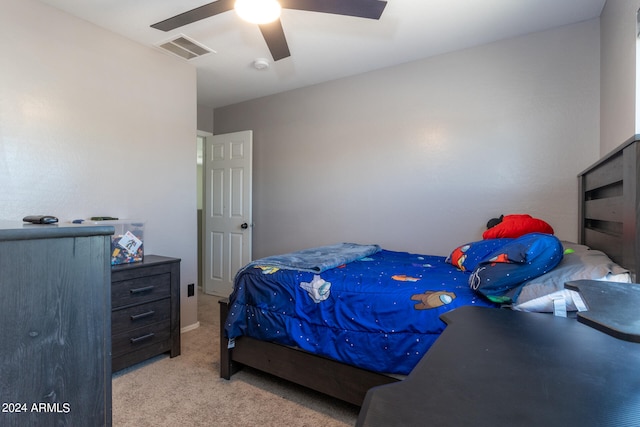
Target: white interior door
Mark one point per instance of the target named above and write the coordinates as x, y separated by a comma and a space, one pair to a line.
227, 209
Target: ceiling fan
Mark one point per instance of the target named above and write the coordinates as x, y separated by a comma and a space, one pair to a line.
272, 32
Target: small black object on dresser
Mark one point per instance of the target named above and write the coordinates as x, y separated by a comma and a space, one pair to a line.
145, 304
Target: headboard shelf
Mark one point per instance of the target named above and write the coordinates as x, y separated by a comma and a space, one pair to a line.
609, 200
608, 174
604, 209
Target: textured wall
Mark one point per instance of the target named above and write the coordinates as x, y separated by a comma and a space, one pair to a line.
419, 156
619, 75
94, 124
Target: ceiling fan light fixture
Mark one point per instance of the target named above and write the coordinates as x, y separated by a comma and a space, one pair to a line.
258, 11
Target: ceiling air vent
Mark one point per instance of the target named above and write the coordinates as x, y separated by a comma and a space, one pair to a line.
184, 47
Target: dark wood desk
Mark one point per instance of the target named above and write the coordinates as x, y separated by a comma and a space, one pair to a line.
493, 367
623, 321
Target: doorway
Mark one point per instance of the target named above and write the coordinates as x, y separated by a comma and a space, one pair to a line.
200, 140
227, 209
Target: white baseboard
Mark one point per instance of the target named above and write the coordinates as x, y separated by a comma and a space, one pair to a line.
190, 327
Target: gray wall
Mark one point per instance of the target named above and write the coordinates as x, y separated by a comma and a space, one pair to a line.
618, 73
94, 124
419, 156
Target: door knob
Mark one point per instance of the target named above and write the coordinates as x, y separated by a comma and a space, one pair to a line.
244, 225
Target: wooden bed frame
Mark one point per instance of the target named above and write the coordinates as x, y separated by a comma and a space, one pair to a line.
609, 195
344, 382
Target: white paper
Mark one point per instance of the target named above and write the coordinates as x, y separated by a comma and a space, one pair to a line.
130, 243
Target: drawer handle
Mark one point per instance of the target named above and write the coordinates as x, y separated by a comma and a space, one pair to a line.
142, 338
140, 290
142, 315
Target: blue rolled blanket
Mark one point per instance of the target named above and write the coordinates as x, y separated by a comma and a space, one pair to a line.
316, 260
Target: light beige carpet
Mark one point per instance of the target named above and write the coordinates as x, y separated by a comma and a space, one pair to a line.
188, 391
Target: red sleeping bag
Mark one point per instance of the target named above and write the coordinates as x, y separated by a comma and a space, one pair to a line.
514, 226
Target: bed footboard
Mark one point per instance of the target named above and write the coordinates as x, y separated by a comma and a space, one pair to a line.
344, 382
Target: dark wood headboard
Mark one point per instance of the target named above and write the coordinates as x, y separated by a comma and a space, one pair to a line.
609, 197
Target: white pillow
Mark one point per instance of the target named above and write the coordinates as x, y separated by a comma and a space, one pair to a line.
580, 262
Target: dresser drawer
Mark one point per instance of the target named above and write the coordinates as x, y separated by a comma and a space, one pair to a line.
140, 290
140, 315
140, 338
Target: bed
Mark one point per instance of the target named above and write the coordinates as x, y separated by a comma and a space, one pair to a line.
314, 357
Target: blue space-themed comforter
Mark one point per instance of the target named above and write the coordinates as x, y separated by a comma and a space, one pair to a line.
379, 312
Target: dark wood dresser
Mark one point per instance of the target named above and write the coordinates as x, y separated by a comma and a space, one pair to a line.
55, 325
145, 319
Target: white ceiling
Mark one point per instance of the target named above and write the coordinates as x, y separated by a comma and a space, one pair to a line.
326, 47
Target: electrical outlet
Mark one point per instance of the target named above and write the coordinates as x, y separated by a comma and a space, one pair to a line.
190, 290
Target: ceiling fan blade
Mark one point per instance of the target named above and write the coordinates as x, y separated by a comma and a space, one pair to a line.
274, 36
194, 15
371, 9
